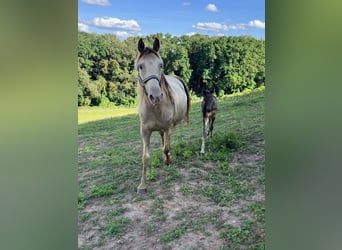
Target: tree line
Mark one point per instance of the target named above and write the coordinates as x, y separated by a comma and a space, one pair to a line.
227, 65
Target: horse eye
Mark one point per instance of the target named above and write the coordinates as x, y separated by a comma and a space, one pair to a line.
161, 65
140, 67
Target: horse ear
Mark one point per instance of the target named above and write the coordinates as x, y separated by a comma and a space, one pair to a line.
141, 45
156, 44
212, 90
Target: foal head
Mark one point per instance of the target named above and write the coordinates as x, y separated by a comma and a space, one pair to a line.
150, 66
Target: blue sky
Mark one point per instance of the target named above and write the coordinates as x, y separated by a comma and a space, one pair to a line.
177, 17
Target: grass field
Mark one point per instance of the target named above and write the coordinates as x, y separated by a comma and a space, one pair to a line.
91, 114
210, 201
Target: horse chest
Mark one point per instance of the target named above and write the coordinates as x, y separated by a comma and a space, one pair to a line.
157, 120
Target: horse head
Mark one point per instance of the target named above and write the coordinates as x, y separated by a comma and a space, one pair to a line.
150, 67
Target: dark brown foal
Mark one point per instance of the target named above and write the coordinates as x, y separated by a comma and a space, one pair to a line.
209, 109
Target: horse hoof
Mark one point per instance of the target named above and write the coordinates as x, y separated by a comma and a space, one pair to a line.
141, 191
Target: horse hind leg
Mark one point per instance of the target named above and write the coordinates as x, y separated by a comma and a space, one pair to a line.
162, 137
166, 146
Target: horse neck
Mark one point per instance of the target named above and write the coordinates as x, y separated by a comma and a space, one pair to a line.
165, 88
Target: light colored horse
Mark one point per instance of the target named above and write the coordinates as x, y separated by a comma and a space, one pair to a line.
209, 109
163, 102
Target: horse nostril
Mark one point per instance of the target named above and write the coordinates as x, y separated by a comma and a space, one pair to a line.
151, 97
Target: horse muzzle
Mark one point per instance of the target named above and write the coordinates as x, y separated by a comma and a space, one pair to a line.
155, 99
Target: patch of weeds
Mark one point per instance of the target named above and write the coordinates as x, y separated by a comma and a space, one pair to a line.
171, 175
183, 149
175, 233
85, 217
86, 149
262, 179
157, 210
101, 190
244, 235
87, 247
242, 189
180, 215
81, 200
118, 226
186, 190
220, 146
236, 235
113, 201
216, 194
224, 248
179, 230
160, 216
197, 225
258, 210
156, 159
207, 234
157, 204
187, 154
229, 141
117, 211
178, 146
151, 174
166, 247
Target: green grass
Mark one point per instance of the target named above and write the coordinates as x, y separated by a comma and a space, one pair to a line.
90, 114
216, 196
117, 226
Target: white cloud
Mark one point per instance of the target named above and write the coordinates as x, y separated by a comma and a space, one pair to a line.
240, 26
211, 26
120, 28
221, 27
186, 4
83, 27
257, 24
211, 7
115, 24
97, 2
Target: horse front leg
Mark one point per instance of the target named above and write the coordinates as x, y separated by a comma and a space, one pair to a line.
167, 147
145, 135
204, 133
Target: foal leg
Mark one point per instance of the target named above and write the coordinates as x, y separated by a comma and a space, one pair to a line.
211, 126
145, 135
167, 140
204, 133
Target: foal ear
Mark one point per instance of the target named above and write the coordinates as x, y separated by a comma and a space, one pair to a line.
156, 44
141, 45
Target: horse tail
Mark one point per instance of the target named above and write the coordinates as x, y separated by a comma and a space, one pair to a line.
187, 100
